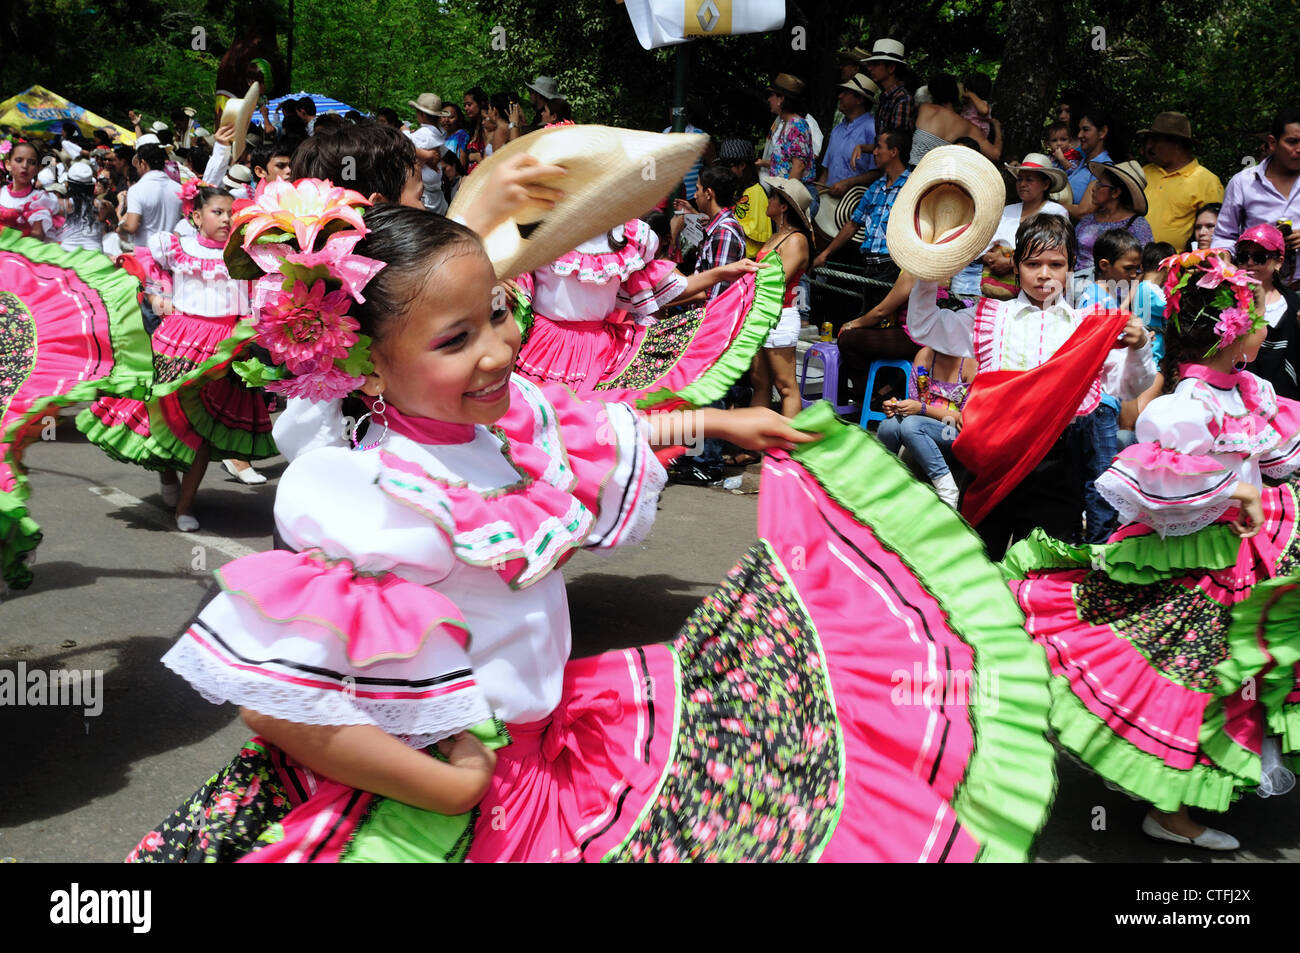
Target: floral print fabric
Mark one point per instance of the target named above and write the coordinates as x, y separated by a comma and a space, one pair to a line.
757, 770
794, 142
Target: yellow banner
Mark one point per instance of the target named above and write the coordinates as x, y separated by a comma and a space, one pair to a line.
707, 17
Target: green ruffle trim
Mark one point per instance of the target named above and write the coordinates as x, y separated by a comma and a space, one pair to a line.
1010, 780
123, 444
523, 312
1265, 629
19, 535
763, 314
1286, 723
1136, 560
130, 376
1144, 775
393, 832
215, 366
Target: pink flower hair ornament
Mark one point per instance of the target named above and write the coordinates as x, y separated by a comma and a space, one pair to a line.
1239, 313
190, 191
303, 292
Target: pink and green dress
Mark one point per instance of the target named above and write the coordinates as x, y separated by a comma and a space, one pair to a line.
1173, 645
194, 397
70, 329
594, 320
853, 690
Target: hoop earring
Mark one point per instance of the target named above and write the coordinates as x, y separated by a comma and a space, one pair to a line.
377, 411
1240, 364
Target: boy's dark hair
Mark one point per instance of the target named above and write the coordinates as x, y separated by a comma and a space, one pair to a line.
307, 105
407, 241
1114, 243
1154, 253
124, 152
1056, 127
389, 116
151, 155
382, 159
264, 153
722, 181
1041, 232
328, 124
966, 141
352, 116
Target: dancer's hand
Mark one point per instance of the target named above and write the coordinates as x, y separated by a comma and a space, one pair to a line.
225, 135
1135, 334
466, 753
754, 428
515, 186
1250, 516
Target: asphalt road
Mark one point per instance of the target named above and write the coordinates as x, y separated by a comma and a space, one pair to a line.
115, 583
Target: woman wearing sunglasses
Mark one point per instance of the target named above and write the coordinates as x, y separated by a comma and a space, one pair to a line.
1260, 251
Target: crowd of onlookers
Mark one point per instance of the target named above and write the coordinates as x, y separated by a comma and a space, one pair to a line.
833, 189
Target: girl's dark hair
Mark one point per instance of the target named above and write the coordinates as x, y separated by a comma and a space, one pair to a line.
501, 103
368, 158
560, 109
457, 113
793, 220
206, 194
1189, 331
1043, 231
1154, 253
660, 224
81, 203
943, 89
26, 144
1215, 207
979, 84
1114, 243
410, 242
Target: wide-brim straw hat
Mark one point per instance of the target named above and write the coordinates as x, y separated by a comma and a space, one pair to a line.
887, 51
946, 213
1037, 162
1170, 124
545, 87
785, 83
1130, 177
239, 113
796, 196
863, 86
834, 214
613, 176
429, 103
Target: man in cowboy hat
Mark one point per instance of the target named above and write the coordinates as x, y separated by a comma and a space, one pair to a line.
873, 210
895, 109
850, 62
540, 93
428, 140
1177, 184
856, 97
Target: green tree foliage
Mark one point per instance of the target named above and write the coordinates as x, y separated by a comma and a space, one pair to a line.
1228, 64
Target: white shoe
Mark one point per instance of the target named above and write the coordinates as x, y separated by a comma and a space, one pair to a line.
946, 487
1209, 838
247, 475
171, 492
186, 523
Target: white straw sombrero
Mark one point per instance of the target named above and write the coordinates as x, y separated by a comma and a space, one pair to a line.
613, 175
946, 213
239, 113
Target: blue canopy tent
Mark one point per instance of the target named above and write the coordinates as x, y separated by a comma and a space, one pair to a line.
323, 105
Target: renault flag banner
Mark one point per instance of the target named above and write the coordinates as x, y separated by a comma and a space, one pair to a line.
667, 22
38, 112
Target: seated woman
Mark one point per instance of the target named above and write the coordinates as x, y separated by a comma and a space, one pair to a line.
1036, 179
928, 421
1120, 201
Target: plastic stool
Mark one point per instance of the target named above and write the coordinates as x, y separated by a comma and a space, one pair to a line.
829, 353
868, 414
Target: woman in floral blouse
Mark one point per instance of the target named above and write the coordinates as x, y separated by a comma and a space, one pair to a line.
792, 155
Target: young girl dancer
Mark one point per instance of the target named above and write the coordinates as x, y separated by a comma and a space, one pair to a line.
194, 409
22, 205
1155, 652
422, 604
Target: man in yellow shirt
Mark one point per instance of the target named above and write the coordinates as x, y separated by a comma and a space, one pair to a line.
1177, 184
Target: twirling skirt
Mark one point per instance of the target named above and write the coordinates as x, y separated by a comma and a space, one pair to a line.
858, 688
1171, 659
194, 398
70, 329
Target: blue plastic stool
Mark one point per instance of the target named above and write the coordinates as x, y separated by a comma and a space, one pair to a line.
868, 414
829, 353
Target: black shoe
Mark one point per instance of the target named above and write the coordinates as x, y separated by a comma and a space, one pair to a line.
695, 475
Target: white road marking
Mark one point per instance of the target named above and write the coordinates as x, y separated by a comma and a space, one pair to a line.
165, 521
